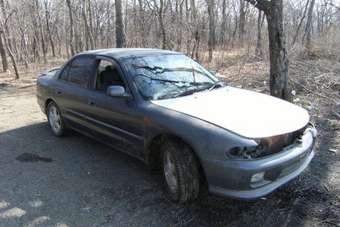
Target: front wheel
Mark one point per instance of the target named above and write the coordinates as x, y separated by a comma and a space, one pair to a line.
55, 119
181, 172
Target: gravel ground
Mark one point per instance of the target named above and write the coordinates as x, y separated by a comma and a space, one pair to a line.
75, 181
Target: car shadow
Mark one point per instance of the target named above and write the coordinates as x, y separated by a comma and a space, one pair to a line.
77, 181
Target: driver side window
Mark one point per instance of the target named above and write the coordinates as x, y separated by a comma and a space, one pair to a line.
107, 75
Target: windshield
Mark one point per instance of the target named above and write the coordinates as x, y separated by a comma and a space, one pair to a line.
168, 76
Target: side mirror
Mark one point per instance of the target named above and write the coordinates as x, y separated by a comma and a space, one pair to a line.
117, 91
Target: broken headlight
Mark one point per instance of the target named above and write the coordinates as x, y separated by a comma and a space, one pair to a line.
249, 152
270, 145
265, 146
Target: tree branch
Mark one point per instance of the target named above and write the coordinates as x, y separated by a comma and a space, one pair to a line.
8, 16
260, 4
332, 4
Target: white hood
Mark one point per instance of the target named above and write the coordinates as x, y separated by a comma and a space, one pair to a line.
247, 113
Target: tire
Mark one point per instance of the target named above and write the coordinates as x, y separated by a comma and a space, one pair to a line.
55, 119
181, 175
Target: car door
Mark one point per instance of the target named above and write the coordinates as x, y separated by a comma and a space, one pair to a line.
72, 91
117, 119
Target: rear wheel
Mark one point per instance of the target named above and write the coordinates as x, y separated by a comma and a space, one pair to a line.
55, 119
180, 171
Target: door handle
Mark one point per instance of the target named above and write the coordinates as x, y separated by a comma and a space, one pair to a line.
90, 102
58, 92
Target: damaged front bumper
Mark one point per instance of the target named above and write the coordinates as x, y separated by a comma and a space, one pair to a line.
251, 179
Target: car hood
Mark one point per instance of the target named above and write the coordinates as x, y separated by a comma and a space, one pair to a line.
247, 113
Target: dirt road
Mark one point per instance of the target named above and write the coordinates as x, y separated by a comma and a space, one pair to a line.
75, 181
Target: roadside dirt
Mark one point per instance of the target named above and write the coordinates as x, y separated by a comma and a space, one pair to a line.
74, 181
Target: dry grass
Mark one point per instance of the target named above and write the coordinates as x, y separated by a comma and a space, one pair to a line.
28, 75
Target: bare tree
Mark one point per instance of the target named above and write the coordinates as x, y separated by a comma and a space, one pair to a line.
141, 20
48, 27
295, 37
88, 32
2, 47
277, 46
224, 22
242, 22
40, 29
308, 31
71, 41
259, 50
5, 32
212, 38
3, 54
120, 35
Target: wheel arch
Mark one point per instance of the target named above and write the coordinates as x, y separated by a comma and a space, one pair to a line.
48, 101
153, 152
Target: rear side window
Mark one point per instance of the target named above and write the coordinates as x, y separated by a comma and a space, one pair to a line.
79, 71
64, 73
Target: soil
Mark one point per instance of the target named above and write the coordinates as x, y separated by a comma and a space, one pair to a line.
75, 181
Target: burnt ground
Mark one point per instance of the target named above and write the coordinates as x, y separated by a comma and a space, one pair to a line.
75, 181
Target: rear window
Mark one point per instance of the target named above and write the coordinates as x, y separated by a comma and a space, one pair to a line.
79, 71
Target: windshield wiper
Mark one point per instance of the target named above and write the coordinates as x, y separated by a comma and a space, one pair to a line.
194, 89
187, 92
176, 81
156, 69
163, 80
217, 84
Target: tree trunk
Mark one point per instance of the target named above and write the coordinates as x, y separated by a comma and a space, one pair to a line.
179, 21
300, 23
277, 52
89, 9
24, 47
161, 23
224, 22
142, 23
309, 26
2, 42
125, 20
11, 55
88, 32
7, 42
68, 2
42, 36
3, 54
120, 35
48, 27
211, 40
242, 22
195, 31
258, 50
279, 63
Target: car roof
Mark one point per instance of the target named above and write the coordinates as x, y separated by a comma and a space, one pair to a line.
128, 52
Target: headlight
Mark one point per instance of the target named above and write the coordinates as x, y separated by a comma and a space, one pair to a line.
270, 145
249, 152
265, 146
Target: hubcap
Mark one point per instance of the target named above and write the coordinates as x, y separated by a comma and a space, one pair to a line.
54, 119
170, 173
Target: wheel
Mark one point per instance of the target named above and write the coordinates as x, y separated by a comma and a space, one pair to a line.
55, 119
180, 172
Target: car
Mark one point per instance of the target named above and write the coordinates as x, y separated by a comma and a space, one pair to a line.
167, 110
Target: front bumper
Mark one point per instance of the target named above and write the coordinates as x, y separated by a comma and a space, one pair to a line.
234, 178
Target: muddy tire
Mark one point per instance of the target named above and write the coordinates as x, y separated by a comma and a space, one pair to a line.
180, 171
55, 119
